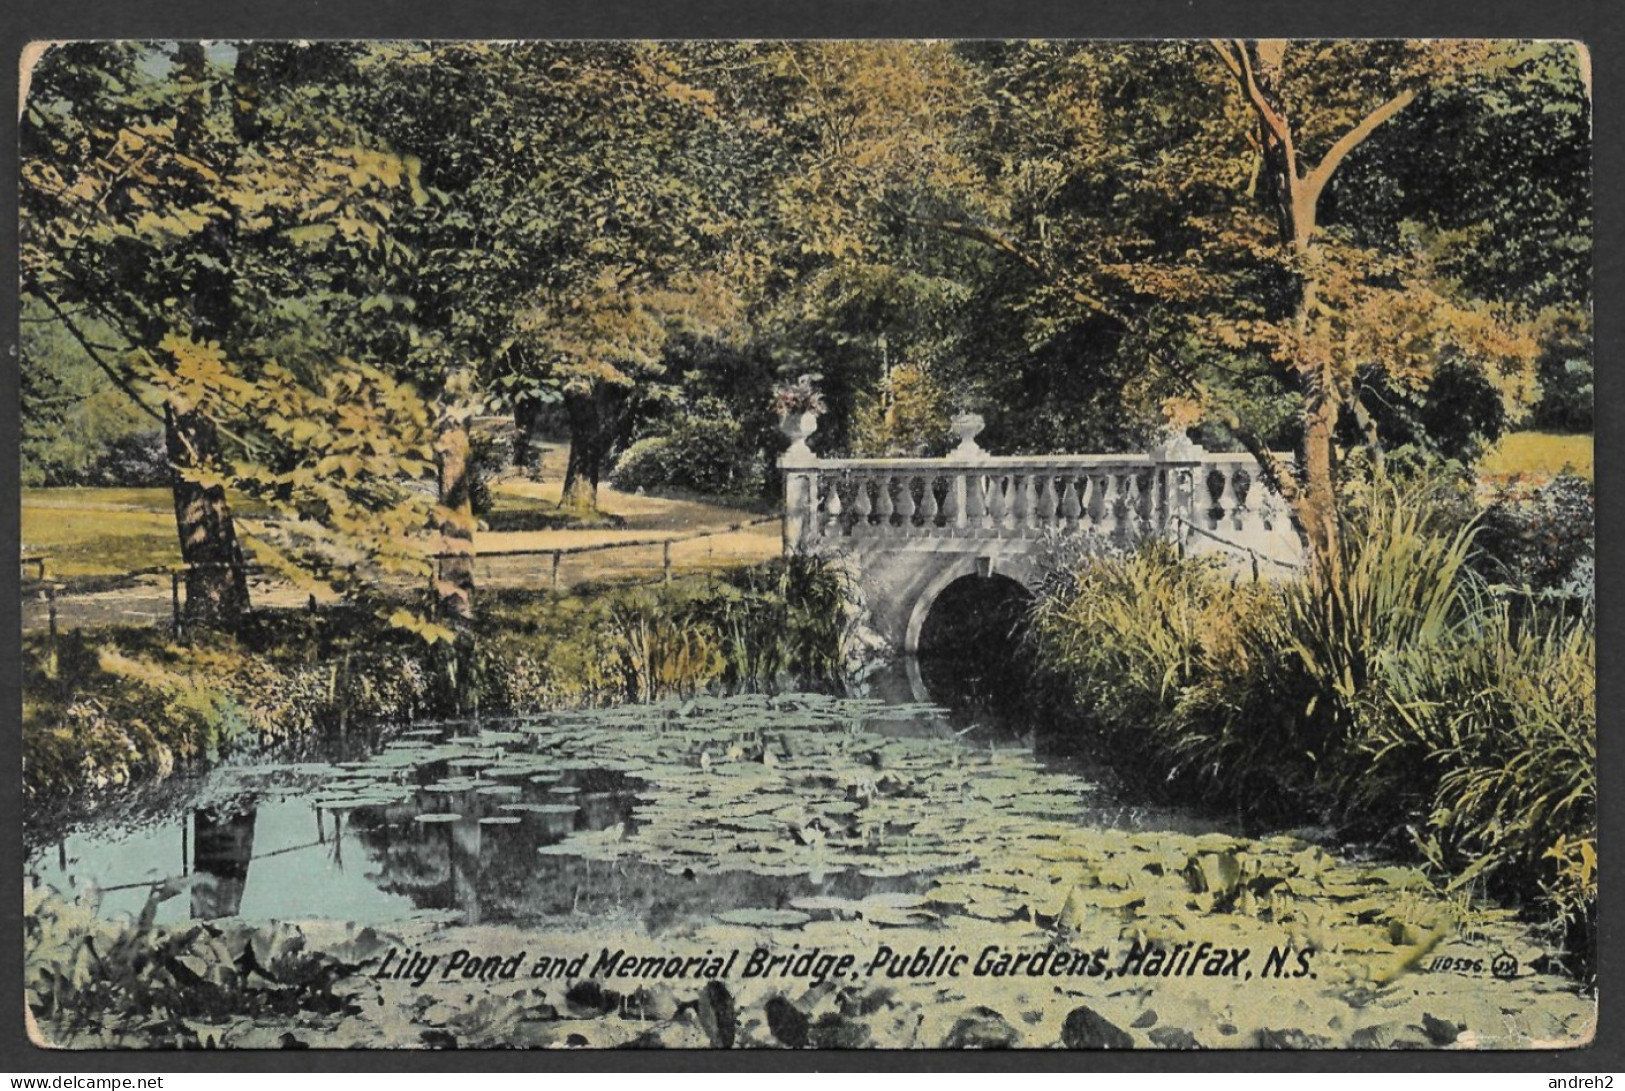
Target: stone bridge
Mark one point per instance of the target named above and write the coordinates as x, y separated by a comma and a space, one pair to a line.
908, 528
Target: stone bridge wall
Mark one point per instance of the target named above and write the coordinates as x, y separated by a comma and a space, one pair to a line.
907, 528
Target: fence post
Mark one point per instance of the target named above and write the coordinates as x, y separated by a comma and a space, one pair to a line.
175, 599
557, 555
665, 559
50, 613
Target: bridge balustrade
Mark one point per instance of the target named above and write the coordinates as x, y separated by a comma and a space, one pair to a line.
1171, 491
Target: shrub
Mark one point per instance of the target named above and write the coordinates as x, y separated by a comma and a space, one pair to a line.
697, 454
1539, 539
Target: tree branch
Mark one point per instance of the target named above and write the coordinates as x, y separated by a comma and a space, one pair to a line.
121, 381
1223, 51
1352, 139
1266, 113
1005, 245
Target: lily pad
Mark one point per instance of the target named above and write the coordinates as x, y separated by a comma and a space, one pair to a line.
765, 918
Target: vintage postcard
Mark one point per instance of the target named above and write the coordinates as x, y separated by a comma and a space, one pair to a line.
808, 544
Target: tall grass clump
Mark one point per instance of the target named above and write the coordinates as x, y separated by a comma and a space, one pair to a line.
753, 629
1403, 585
1502, 731
1179, 664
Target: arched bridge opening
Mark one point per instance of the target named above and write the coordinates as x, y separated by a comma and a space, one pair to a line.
975, 645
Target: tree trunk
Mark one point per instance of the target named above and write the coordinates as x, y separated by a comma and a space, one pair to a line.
216, 574
527, 421
1315, 513
592, 420
1294, 191
454, 566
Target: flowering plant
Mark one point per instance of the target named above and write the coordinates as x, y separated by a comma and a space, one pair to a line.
794, 399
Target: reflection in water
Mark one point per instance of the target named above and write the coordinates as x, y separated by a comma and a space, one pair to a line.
222, 849
475, 850
975, 647
441, 820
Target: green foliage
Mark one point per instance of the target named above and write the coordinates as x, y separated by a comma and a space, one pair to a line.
1541, 539
1406, 696
86, 975
1402, 587
704, 451
76, 428
126, 704
1567, 375
908, 416
752, 629
1186, 665
1504, 726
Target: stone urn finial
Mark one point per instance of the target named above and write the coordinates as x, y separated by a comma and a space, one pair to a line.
798, 426
1176, 446
967, 426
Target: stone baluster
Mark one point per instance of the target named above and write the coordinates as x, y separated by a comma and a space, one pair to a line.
1157, 511
998, 501
975, 505
1225, 503
1089, 486
1109, 500
862, 507
1047, 500
883, 500
953, 508
1245, 485
1027, 503
928, 502
905, 502
1133, 498
832, 507
1072, 506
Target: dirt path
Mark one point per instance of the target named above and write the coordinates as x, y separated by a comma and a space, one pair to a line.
146, 599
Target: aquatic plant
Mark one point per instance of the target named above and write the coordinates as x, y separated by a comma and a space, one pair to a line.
1406, 695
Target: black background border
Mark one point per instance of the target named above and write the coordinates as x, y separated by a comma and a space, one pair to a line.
1596, 22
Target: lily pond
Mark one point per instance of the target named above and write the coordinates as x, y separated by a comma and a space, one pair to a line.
797, 870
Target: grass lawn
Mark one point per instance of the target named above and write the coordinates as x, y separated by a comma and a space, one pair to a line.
1540, 454
100, 532
112, 532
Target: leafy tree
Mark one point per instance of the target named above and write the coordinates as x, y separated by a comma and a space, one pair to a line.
909, 416
1175, 195
859, 135
73, 421
200, 216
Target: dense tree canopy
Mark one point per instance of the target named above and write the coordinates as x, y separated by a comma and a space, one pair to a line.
312, 264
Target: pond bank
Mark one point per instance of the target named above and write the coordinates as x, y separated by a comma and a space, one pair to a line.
122, 705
